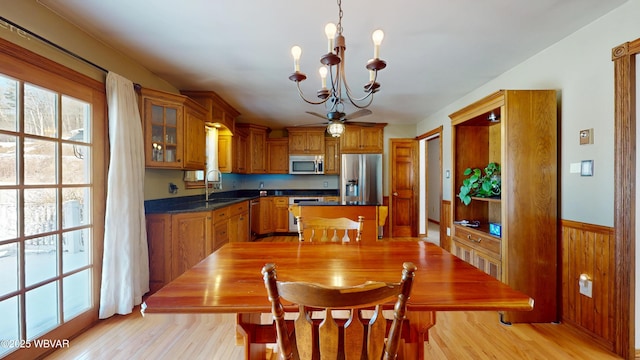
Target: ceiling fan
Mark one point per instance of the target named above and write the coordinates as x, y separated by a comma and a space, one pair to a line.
338, 117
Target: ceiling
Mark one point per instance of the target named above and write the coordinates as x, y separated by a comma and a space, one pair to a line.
436, 51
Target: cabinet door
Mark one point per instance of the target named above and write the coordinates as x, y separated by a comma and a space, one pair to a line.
257, 149
315, 142
239, 156
191, 240
194, 137
297, 142
281, 214
159, 242
225, 151
163, 125
371, 139
278, 156
462, 251
350, 140
267, 225
332, 156
240, 226
487, 264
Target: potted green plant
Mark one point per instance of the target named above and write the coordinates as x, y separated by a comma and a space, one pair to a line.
480, 185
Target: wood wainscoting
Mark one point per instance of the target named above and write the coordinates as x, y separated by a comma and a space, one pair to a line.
589, 249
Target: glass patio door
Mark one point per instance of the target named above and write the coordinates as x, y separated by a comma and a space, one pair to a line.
47, 218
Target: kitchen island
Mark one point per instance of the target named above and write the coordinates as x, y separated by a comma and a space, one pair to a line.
375, 215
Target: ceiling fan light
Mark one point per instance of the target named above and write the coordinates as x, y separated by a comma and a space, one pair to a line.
335, 128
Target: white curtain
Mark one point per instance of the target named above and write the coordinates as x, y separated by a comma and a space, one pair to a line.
125, 263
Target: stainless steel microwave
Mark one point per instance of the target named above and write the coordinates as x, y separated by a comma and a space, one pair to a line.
306, 164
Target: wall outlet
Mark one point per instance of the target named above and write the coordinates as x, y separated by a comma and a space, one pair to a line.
325, 184
586, 287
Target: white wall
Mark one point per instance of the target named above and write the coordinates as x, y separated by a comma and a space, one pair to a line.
579, 67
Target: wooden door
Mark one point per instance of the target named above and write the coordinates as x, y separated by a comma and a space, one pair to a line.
404, 187
278, 156
332, 156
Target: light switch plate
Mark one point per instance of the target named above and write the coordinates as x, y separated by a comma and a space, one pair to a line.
586, 288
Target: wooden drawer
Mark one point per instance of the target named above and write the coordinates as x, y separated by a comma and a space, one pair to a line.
478, 240
221, 214
239, 208
281, 201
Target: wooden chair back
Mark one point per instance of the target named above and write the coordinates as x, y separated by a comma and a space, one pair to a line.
310, 340
329, 229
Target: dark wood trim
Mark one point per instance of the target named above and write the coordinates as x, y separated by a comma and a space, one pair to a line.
623, 57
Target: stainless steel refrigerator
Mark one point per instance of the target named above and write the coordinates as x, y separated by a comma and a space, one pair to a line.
361, 179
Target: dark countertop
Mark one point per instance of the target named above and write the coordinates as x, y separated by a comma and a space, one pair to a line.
220, 199
335, 203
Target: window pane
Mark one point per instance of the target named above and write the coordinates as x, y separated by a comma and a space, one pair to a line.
8, 159
42, 310
40, 259
40, 211
75, 119
75, 164
8, 104
76, 249
9, 270
9, 324
40, 111
75, 207
39, 162
77, 294
8, 214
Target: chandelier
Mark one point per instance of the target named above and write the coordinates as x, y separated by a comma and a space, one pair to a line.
333, 64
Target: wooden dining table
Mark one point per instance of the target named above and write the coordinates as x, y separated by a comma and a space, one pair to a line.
230, 281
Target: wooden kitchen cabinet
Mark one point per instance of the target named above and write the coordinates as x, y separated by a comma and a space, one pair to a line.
174, 134
522, 139
256, 155
358, 139
239, 222
239, 150
278, 156
306, 141
220, 227
190, 240
267, 209
159, 243
332, 156
218, 111
281, 214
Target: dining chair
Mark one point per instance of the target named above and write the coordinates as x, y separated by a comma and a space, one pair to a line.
329, 229
308, 340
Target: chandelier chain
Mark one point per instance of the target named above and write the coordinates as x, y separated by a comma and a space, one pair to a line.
339, 27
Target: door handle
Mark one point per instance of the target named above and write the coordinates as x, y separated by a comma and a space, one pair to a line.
395, 194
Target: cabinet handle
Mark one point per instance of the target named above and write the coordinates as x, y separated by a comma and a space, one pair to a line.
474, 240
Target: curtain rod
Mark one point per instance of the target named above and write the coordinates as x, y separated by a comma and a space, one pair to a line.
50, 43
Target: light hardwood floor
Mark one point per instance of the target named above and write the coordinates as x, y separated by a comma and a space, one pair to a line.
457, 335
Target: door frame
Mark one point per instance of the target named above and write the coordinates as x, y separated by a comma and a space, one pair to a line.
423, 158
625, 87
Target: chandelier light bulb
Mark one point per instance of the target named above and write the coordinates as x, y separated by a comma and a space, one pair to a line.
377, 37
330, 30
296, 51
323, 76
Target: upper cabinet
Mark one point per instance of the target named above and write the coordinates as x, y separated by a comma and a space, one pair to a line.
256, 147
218, 111
517, 129
174, 135
306, 141
332, 156
362, 139
278, 156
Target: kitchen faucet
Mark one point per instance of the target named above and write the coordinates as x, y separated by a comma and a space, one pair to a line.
206, 183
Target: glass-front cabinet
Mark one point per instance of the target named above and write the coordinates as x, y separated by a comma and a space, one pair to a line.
169, 119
